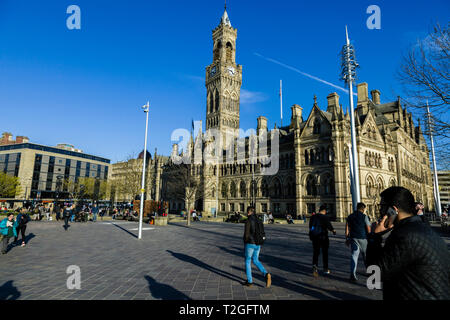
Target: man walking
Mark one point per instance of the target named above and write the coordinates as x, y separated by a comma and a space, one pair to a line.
319, 224
94, 212
68, 211
356, 230
254, 237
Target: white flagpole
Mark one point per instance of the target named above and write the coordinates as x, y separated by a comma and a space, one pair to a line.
281, 102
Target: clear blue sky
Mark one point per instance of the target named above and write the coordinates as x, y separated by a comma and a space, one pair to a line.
86, 87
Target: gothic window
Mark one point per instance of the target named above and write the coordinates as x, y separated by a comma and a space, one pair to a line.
224, 190
233, 190
243, 189
276, 189
369, 186
264, 189
306, 157
311, 186
316, 129
253, 189
311, 158
217, 100
366, 158
292, 162
317, 155
330, 154
229, 52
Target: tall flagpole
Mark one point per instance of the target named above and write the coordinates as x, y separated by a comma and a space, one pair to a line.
349, 66
281, 102
437, 197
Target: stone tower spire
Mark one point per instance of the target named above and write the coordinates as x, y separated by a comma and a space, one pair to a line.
223, 82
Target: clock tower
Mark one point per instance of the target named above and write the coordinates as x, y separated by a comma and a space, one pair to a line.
223, 82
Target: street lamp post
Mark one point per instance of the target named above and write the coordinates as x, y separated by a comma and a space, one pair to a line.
141, 209
437, 197
349, 66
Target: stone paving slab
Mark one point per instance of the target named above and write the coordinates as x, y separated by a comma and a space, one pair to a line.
204, 261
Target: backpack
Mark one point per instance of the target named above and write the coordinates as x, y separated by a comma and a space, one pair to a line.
316, 228
260, 235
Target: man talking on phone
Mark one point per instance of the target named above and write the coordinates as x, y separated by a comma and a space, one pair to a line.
414, 262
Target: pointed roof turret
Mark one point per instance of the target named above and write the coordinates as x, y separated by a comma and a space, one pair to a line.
225, 19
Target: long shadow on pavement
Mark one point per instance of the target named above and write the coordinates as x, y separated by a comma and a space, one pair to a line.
163, 291
195, 261
124, 230
285, 264
8, 291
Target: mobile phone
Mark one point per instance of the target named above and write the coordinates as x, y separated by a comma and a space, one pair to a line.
391, 216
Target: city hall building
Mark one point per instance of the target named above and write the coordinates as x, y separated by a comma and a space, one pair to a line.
43, 169
313, 151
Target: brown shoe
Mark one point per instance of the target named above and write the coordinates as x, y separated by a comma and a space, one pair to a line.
268, 280
315, 272
247, 284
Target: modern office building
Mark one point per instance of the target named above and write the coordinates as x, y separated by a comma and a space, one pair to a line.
444, 188
44, 171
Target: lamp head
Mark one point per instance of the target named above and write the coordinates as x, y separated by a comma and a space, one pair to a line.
145, 107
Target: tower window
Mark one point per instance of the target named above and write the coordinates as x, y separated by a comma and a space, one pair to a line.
217, 101
229, 51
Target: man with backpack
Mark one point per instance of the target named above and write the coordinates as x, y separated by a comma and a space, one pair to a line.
356, 231
254, 237
319, 224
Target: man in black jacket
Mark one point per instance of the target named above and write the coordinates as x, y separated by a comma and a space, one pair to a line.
254, 237
414, 262
319, 224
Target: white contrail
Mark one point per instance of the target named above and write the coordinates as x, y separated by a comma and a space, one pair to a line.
303, 73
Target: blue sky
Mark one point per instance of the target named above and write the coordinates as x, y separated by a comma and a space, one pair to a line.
86, 87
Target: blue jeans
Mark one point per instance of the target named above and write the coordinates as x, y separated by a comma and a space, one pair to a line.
357, 245
72, 218
252, 254
95, 217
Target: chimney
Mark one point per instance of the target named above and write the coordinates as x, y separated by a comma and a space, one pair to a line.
6, 138
20, 139
333, 101
296, 117
375, 96
363, 94
262, 124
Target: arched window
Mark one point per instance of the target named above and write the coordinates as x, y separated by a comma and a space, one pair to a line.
243, 189
253, 189
316, 129
292, 161
276, 189
311, 188
311, 157
233, 189
217, 100
264, 189
211, 103
224, 190
306, 157
370, 187
229, 52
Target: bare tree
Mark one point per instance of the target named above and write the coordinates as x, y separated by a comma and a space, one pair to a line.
425, 76
185, 182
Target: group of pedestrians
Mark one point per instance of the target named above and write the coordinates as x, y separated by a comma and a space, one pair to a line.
414, 261
10, 227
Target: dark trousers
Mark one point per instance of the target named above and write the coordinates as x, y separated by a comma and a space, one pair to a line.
66, 221
5, 242
320, 243
21, 229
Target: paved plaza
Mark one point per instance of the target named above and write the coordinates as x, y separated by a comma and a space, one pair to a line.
204, 261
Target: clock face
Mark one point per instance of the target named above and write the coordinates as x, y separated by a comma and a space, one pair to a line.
213, 71
231, 71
